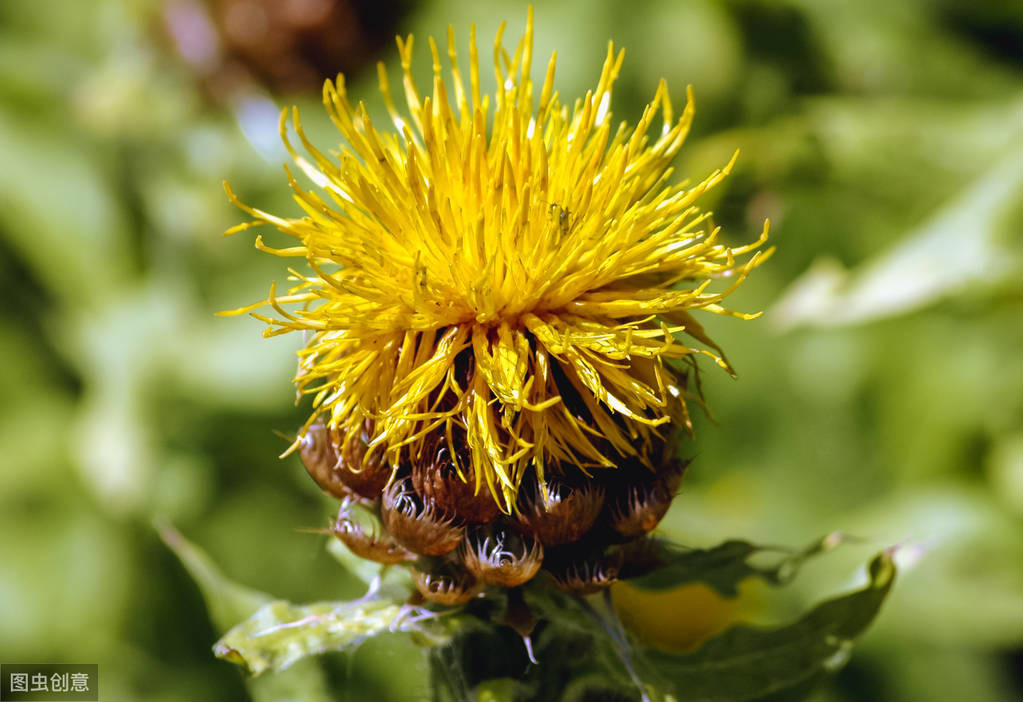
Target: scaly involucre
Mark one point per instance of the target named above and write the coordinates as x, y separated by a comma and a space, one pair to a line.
513, 276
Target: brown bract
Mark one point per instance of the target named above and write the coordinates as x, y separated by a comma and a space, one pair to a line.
416, 525
568, 512
436, 480
363, 470
585, 576
447, 584
645, 500
340, 466
366, 543
501, 555
321, 461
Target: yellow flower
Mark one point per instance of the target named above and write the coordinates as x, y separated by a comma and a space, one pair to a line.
505, 275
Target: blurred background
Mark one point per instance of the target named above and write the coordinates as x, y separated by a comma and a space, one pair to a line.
881, 393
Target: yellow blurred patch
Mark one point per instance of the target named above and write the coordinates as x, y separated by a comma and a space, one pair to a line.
683, 618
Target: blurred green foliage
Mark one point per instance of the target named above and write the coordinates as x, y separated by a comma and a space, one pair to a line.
881, 395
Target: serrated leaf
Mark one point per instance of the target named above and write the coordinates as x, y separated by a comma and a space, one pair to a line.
280, 633
752, 663
722, 567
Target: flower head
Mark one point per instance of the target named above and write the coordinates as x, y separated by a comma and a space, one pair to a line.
508, 277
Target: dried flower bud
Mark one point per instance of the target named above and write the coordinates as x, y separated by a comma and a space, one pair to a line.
644, 501
569, 511
500, 555
415, 525
321, 461
282, 45
366, 543
436, 479
446, 584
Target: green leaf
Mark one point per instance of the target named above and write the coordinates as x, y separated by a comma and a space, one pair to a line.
961, 246
54, 165
227, 601
752, 663
385, 581
497, 690
724, 566
365, 570
281, 633
746, 662
963, 571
